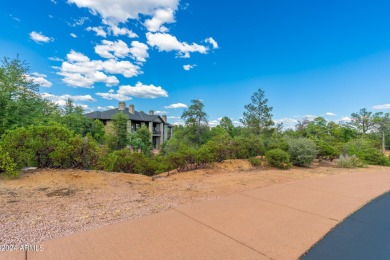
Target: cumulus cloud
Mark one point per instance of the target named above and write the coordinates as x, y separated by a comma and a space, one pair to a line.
119, 49
38, 37
188, 66
330, 114
110, 95
119, 11
167, 42
379, 107
79, 71
176, 105
140, 90
109, 49
116, 31
139, 51
99, 30
212, 42
160, 17
39, 79
73, 35
61, 100
143, 91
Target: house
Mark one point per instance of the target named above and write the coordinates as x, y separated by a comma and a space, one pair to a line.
160, 129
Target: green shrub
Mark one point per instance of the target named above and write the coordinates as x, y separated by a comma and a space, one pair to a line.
302, 151
366, 151
256, 162
50, 146
36, 145
278, 158
346, 161
244, 147
7, 165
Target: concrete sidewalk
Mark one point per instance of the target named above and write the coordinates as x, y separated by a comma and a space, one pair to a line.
279, 222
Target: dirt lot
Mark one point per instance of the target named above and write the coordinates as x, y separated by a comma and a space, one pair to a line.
52, 203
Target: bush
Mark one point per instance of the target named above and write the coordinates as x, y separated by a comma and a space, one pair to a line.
346, 161
278, 158
37, 145
302, 151
50, 146
7, 165
256, 162
365, 150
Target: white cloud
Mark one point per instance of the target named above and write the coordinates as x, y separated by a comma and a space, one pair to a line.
53, 1
110, 50
177, 105
78, 22
55, 59
139, 51
174, 117
39, 79
310, 117
212, 42
116, 30
14, 18
73, 35
160, 17
288, 123
167, 42
110, 95
39, 37
143, 91
61, 100
140, 90
79, 71
119, 49
345, 119
98, 30
189, 66
158, 112
99, 108
119, 11
330, 114
379, 107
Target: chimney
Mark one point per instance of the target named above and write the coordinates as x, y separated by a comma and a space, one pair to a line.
151, 112
164, 118
122, 106
131, 108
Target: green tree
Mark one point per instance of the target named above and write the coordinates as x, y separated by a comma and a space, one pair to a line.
118, 138
20, 102
258, 117
196, 122
227, 124
382, 122
363, 120
195, 114
140, 140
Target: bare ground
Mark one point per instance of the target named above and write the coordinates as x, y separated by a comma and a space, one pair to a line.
53, 203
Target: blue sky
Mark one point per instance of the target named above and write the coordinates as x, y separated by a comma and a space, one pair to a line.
312, 58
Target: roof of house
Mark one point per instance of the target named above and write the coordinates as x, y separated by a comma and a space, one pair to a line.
137, 116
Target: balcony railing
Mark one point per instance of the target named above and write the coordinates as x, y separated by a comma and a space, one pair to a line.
156, 132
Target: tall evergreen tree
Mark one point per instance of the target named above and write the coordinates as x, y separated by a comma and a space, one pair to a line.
362, 120
257, 117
